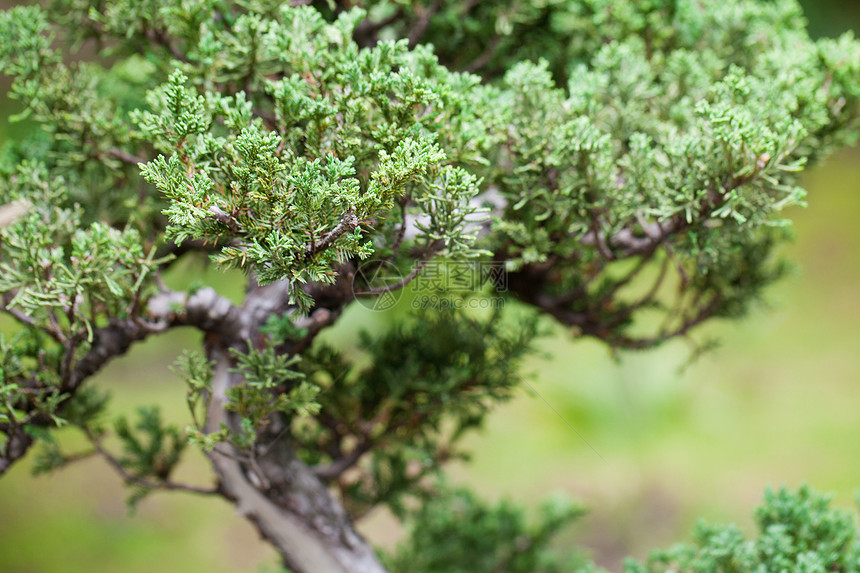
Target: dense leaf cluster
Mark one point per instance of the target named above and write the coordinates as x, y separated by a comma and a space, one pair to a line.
625, 163
797, 531
431, 379
459, 533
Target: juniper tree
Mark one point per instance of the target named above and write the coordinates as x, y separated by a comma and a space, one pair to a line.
621, 167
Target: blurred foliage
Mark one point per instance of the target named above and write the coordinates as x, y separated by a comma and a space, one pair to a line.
456, 532
798, 532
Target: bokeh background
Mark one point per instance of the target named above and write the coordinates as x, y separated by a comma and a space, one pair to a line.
777, 404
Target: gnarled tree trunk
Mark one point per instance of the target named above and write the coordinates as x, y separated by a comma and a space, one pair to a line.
288, 504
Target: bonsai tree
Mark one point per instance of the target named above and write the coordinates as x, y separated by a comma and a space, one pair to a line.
618, 166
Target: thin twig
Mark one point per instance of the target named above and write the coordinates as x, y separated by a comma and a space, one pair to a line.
130, 478
485, 56
401, 233
682, 330
402, 282
29, 321
659, 281
685, 280
600, 240
423, 21
348, 224
366, 32
125, 156
160, 37
340, 465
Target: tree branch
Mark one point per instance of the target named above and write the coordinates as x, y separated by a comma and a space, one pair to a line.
296, 513
125, 156
348, 224
160, 38
484, 58
340, 465
224, 218
365, 34
27, 320
204, 309
702, 314
625, 242
423, 22
130, 478
370, 291
17, 443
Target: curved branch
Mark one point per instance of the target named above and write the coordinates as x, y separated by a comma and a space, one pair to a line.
382, 289
204, 309
484, 58
28, 320
340, 465
347, 224
625, 242
125, 156
701, 315
366, 34
423, 22
131, 479
159, 37
17, 443
295, 512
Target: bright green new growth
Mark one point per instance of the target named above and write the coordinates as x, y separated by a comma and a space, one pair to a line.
625, 163
797, 531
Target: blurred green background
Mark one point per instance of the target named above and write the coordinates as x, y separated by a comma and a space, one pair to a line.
777, 403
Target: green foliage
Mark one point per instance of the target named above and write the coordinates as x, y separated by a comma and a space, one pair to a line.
68, 277
49, 457
30, 390
618, 159
294, 143
86, 409
346, 145
430, 380
255, 401
196, 371
282, 329
797, 531
26, 41
456, 532
151, 449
